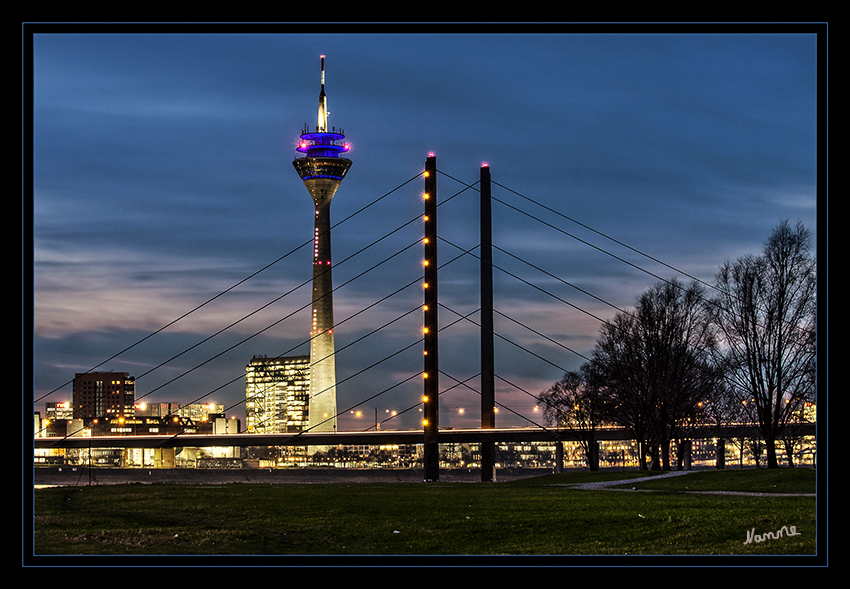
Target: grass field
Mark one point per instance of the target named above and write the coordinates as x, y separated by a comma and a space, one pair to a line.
545, 515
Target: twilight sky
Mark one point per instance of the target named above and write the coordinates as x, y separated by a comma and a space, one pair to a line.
162, 177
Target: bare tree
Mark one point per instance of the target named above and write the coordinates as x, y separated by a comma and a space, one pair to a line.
656, 364
765, 315
576, 402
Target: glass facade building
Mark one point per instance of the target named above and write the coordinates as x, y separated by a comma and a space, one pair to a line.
277, 394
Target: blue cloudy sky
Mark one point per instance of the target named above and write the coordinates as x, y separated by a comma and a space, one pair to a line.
162, 177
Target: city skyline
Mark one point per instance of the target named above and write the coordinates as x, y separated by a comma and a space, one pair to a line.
162, 177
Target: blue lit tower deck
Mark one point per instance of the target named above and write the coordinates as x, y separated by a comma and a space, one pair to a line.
322, 170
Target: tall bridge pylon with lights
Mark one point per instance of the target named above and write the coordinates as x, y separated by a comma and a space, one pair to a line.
322, 170
431, 371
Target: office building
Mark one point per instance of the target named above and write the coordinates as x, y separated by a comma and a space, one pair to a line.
103, 394
277, 394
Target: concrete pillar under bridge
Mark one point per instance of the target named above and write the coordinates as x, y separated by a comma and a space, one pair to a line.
164, 458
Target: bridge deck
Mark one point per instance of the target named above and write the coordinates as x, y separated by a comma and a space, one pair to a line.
372, 438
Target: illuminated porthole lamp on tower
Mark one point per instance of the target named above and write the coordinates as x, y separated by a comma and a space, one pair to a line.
322, 170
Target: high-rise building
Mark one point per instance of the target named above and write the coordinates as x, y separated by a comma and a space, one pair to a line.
277, 394
322, 170
103, 394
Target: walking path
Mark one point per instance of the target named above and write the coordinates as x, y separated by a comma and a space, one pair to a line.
604, 485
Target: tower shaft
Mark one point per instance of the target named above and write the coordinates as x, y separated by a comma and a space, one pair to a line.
322, 350
322, 362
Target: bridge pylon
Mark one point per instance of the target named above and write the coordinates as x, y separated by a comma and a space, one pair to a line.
431, 372
488, 379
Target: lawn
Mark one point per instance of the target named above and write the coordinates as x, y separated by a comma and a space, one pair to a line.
539, 516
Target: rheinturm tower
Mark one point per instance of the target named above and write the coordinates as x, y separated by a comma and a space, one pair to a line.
322, 170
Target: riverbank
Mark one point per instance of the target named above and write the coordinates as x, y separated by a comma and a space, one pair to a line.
72, 476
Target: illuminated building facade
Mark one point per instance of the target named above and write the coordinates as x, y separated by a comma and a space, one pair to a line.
277, 394
103, 394
55, 410
322, 170
197, 412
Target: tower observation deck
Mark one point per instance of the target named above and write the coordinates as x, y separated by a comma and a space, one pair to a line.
322, 170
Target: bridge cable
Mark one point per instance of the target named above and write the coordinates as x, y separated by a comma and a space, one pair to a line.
271, 302
267, 328
608, 237
361, 311
418, 306
417, 374
275, 300
563, 231
410, 408
544, 291
277, 322
794, 334
240, 282
463, 383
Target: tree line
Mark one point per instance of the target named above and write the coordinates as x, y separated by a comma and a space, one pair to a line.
742, 350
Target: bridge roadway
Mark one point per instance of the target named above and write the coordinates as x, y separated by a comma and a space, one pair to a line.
379, 438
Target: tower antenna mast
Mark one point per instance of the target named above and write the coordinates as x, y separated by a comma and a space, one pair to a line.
323, 102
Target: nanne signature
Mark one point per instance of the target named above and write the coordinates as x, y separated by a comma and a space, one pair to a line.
783, 531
